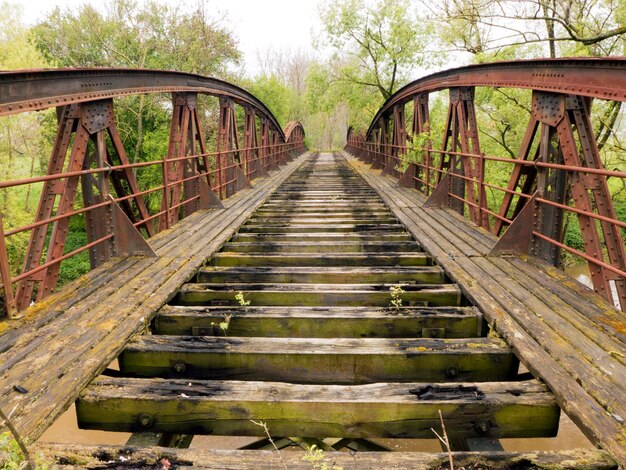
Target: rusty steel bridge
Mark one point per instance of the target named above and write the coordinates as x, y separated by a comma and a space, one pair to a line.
340, 300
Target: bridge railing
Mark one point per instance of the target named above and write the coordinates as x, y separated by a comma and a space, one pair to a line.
557, 171
91, 181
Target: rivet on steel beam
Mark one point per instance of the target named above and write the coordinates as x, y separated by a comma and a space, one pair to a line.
146, 420
180, 367
481, 426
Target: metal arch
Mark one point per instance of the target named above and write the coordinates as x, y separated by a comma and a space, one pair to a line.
291, 127
33, 90
603, 78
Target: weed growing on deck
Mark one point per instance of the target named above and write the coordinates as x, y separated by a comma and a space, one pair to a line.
317, 459
242, 300
396, 296
223, 325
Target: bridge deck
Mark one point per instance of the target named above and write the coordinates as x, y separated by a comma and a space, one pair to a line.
561, 331
56, 349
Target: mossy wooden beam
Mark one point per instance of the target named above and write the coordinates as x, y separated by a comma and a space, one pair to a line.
321, 227
323, 247
315, 237
323, 275
319, 294
320, 322
320, 360
313, 259
295, 220
67, 456
523, 409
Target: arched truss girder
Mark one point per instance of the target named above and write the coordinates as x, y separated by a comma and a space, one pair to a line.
557, 168
603, 78
32, 90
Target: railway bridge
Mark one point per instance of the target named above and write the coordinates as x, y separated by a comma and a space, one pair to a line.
337, 302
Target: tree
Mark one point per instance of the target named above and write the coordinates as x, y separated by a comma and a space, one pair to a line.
385, 42
572, 27
23, 142
148, 35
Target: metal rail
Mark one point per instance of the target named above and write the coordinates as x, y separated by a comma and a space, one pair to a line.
557, 170
89, 151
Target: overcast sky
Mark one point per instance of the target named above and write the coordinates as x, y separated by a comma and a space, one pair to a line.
258, 24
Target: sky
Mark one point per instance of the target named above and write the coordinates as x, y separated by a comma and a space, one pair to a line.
258, 24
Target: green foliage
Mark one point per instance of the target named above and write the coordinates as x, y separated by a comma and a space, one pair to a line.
149, 34
74, 267
396, 292
415, 150
317, 459
240, 298
12, 458
224, 324
275, 95
385, 40
572, 28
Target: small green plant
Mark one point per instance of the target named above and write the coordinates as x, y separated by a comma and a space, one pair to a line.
223, 325
11, 456
396, 296
413, 154
241, 299
317, 459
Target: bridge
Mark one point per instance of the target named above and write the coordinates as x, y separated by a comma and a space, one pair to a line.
318, 300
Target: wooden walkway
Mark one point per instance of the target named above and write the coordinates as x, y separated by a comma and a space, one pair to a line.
62, 343
561, 331
319, 353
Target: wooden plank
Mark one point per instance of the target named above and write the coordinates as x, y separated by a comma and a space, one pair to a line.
262, 216
315, 237
68, 456
578, 296
379, 295
312, 259
323, 275
310, 228
525, 409
98, 334
319, 360
322, 221
322, 247
598, 425
318, 322
23, 333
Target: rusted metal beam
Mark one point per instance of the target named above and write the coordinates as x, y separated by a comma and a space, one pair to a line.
594, 77
31, 90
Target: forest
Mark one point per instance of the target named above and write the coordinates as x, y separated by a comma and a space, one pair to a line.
365, 52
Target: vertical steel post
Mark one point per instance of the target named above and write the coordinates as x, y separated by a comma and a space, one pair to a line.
5, 274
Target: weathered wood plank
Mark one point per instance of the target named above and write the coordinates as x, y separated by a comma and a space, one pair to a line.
321, 221
53, 379
304, 228
312, 259
319, 360
598, 424
315, 237
92, 457
523, 409
379, 295
578, 296
322, 275
322, 247
319, 322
